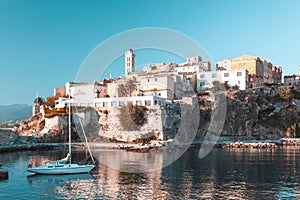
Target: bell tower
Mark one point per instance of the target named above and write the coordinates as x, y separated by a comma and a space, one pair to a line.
129, 61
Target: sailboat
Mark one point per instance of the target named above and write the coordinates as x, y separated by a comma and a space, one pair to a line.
65, 165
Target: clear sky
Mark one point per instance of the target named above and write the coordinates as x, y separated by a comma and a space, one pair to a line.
44, 42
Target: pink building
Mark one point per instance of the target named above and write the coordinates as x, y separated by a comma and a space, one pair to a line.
60, 92
100, 91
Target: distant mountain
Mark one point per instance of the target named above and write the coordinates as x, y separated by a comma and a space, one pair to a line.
15, 112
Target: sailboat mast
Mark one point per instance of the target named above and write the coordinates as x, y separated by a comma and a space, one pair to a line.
70, 148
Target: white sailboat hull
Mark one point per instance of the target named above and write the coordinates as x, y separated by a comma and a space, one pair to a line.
61, 169
64, 166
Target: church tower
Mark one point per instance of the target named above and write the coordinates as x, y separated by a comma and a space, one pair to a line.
129, 61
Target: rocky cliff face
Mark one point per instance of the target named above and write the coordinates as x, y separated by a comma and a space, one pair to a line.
263, 113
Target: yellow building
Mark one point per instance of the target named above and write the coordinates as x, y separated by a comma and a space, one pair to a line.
254, 65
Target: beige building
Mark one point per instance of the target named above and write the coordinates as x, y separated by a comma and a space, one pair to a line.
254, 66
260, 70
224, 64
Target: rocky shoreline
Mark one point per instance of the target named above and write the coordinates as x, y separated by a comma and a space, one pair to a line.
155, 145
36, 146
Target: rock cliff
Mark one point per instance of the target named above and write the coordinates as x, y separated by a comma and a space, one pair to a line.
269, 112
263, 113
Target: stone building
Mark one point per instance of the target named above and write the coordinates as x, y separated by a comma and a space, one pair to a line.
129, 61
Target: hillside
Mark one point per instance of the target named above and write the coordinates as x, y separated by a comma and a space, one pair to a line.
260, 113
15, 112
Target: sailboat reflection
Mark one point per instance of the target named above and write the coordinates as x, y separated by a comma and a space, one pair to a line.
50, 181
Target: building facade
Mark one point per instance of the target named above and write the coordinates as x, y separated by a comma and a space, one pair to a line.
237, 78
224, 64
276, 74
160, 85
83, 94
292, 81
59, 92
260, 70
255, 67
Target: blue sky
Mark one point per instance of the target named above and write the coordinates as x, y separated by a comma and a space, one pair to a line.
43, 43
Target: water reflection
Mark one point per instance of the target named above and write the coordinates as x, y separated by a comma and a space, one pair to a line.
223, 174
133, 162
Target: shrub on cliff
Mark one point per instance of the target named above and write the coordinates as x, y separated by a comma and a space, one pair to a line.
132, 117
285, 93
217, 86
54, 112
50, 101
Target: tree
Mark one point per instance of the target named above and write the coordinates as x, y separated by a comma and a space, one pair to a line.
50, 101
125, 90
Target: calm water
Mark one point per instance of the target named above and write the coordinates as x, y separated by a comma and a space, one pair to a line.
223, 174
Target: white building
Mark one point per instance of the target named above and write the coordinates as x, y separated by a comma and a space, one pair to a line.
129, 61
292, 80
82, 93
62, 102
159, 85
233, 77
224, 64
121, 101
193, 64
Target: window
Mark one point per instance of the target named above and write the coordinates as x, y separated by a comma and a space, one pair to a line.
214, 75
201, 83
239, 82
148, 80
148, 103
239, 73
240, 64
202, 75
155, 79
226, 74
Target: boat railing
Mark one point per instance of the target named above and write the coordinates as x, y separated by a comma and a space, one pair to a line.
92, 163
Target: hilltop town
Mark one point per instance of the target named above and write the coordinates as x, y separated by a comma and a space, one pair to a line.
166, 83
150, 103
